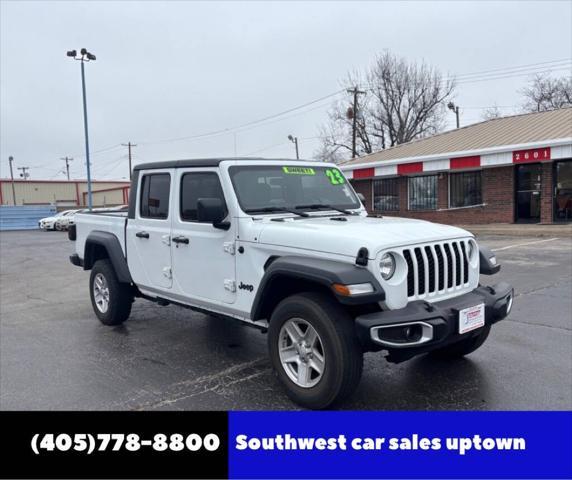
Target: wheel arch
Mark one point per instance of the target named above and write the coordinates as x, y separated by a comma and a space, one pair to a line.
289, 275
101, 245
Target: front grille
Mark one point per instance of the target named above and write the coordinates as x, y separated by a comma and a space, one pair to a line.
436, 268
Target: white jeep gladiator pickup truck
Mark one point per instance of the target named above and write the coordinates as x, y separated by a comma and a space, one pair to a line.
287, 247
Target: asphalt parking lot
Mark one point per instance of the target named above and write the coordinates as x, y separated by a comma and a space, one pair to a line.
55, 355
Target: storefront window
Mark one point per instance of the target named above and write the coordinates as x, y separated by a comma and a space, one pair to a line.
563, 191
386, 194
423, 192
465, 189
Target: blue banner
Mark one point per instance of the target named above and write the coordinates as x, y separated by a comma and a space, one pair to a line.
400, 445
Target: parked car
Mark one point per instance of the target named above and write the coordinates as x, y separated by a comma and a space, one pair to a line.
287, 247
63, 222
51, 223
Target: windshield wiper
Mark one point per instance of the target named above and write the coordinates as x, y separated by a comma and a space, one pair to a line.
276, 210
325, 206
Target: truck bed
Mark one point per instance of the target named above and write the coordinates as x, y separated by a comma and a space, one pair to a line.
111, 221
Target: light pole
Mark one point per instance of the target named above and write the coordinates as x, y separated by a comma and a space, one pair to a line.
83, 57
294, 140
11, 159
455, 109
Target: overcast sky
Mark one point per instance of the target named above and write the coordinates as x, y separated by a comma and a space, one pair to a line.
169, 70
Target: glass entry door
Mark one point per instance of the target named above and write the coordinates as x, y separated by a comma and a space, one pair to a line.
528, 186
563, 191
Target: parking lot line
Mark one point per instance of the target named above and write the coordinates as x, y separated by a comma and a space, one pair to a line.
526, 243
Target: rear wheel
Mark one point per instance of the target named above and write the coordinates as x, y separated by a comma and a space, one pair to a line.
111, 300
314, 349
463, 347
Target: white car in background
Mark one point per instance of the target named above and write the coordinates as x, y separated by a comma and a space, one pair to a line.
63, 222
54, 222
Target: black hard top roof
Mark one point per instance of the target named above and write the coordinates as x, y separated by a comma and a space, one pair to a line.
204, 162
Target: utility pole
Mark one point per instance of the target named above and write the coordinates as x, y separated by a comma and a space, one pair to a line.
25, 175
354, 113
84, 56
294, 140
11, 159
455, 109
129, 145
67, 160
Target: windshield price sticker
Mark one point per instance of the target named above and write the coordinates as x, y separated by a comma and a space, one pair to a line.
335, 177
299, 170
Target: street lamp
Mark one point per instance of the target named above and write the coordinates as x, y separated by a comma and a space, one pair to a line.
294, 140
455, 109
84, 56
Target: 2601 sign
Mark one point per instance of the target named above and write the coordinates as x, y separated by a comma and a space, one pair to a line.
533, 155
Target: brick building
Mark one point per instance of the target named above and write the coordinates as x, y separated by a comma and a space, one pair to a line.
505, 170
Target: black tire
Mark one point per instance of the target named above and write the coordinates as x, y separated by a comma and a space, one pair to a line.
463, 347
120, 295
342, 352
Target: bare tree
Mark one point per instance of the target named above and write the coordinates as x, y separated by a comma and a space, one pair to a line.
403, 101
326, 153
547, 93
492, 112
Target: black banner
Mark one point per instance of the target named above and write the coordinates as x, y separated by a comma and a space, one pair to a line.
113, 445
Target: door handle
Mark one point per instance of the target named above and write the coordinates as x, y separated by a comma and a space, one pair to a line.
180, 239
142, 235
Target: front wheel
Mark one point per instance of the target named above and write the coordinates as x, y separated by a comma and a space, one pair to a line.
463, 347
111, 300
314, 349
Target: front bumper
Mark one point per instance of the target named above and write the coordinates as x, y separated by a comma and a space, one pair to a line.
432, 325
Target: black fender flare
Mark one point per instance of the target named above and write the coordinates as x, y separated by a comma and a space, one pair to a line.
114, 252
320, 271
487, 267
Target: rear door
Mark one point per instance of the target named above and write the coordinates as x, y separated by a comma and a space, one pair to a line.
148, 234
203, 256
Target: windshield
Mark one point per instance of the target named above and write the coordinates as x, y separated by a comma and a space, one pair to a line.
271, 188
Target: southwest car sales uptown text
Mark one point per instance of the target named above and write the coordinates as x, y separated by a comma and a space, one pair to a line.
460, 444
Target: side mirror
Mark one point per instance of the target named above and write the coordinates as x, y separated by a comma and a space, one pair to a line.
212, 210
361, 197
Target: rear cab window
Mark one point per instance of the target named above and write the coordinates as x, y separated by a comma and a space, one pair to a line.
155, 192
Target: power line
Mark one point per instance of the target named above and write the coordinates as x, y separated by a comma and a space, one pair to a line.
516, 67
506, 72
248, 124
501, 77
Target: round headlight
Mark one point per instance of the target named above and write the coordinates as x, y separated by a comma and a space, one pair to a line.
387, 266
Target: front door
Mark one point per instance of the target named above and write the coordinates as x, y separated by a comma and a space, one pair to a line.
528, 192
563, 191
148, 234
203, 256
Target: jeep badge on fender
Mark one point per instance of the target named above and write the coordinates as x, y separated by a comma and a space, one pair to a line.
325, 291
244, 286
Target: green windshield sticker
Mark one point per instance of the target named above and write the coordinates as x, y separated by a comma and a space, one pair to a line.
335, 177
299, 170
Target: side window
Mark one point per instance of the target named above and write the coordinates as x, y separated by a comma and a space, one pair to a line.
155, 189
195, 186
